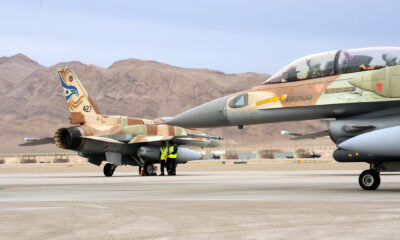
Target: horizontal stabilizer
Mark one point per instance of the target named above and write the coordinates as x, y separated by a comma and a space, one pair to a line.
36, 141
299, 136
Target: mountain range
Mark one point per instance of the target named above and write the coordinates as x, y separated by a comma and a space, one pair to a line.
33, 104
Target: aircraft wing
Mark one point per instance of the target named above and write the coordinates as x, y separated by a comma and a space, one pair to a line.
122, 138
128, 138
37, 141
144, 139
200, 136
298, 136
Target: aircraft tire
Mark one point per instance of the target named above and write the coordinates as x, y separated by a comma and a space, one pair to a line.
109, 169
148, 169
369, 180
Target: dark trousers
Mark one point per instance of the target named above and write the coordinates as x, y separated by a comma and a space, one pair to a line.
171, 166
162, 165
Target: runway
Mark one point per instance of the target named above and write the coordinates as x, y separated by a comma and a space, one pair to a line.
234, 204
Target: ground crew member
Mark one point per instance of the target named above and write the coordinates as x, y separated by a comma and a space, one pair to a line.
163, 157
172, 155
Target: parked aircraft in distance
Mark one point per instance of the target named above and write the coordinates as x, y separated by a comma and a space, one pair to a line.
119, 140
359, 88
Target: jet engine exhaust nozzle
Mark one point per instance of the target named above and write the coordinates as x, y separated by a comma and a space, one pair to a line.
69, 138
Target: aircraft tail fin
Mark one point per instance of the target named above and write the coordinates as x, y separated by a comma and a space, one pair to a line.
78, 100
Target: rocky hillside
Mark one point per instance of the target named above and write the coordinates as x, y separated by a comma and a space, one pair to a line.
33, 104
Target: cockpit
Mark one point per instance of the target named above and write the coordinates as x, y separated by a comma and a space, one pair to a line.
337, 62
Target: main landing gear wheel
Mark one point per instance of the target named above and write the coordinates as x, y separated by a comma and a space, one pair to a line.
369, 180
149, 169
109, 169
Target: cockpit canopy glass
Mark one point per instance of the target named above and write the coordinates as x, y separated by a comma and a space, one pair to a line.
362, 59
337, 62
312, 66
239, 101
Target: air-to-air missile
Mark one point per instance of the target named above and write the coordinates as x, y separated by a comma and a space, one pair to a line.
118, 140
359, 88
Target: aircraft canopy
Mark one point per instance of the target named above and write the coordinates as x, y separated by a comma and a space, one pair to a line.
337, 62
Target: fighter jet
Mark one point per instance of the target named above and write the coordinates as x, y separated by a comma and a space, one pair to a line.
118, 140
358, 88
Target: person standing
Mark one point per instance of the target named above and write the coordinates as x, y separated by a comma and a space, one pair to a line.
172, 155
163, 157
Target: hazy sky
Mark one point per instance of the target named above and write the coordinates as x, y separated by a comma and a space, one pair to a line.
228, 35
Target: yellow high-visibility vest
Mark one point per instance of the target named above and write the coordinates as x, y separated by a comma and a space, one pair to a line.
163, 153
170, 152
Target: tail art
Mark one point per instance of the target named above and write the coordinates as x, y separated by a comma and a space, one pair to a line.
78, 100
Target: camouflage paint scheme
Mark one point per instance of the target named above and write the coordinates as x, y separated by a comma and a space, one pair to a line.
382, 84
344, 88
344, 79
119, 140
119, 129
360, 88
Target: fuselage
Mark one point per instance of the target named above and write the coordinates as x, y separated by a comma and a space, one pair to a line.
88, 136
327, 85
358, 87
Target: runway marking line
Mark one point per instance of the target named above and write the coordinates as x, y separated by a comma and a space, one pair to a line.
208, 230
385, 210
89, 205
29, 208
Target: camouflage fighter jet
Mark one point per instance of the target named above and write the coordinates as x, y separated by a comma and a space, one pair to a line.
119, 140
359, 88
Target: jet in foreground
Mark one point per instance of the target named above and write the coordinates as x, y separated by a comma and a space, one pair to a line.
118, 140
359, 88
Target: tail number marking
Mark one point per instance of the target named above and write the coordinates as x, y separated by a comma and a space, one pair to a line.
87, 108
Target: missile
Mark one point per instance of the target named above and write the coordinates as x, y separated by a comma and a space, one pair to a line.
383, 142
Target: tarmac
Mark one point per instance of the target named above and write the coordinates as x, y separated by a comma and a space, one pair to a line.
258, 201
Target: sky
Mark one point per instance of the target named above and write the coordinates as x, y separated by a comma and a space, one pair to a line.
227, 35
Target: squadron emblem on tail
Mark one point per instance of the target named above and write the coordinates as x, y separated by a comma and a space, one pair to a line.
77, 98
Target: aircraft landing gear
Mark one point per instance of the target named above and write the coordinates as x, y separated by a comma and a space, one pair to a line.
149, 169
109, 169
369, 179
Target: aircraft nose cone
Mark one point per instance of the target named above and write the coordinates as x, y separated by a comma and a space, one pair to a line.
211, 114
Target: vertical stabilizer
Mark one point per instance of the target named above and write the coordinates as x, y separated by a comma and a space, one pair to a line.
78, 100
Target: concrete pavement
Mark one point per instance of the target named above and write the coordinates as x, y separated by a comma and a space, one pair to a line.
240, 204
